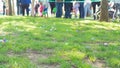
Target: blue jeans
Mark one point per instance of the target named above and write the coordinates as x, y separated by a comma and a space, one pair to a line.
81, 10
68, 8
25, 7
59, 9
87, 9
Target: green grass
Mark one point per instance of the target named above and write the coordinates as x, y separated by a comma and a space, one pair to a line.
33, 42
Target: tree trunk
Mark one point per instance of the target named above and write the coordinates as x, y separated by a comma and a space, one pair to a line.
104, 11
32, 13
9, 7
13, 9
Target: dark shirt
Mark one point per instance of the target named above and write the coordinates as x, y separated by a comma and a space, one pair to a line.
37, 6
25, 1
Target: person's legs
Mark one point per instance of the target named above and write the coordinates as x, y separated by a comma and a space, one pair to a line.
94, 6
68, 10
18, 10
94, 9
36, 11
59, 9
17, 7
85, 10
23, 9
81, 10
89, 9
117, 8
27, 9
119, 12
114, 14
4, 9
52, 5
61, 12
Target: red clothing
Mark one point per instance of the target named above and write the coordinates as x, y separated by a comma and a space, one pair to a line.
41, 10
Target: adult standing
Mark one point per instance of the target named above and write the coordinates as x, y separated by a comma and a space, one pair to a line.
87, 5
117, 7
68, 8
4, 7
94, 3
52, 5
25, 6
18, 7
81, 8
59, 5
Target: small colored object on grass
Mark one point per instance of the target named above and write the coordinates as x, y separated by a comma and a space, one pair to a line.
3, 40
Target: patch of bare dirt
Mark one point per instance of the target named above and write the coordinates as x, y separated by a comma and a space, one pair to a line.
97, 63
35, 55
48, 66
11, 54
44, 54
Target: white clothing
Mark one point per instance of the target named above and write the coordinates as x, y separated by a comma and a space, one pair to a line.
76, 7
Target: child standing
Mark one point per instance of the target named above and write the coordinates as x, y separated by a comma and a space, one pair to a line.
76, 8
36, 8
41, 8
45, 11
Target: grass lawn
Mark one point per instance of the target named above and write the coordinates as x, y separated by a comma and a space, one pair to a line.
33, 42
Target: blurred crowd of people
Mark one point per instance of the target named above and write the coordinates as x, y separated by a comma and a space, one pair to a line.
66, 8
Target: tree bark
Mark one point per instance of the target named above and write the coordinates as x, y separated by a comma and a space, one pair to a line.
13, 9
9, 7
32, 13
104, 11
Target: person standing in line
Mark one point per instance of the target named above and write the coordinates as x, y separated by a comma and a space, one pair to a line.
52, 5
18, 7
4, 7
25, 6
87, 6
76, 9
94, 4
41, 8
59, 5
68, 8
117, 7
36, 8
81, 8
